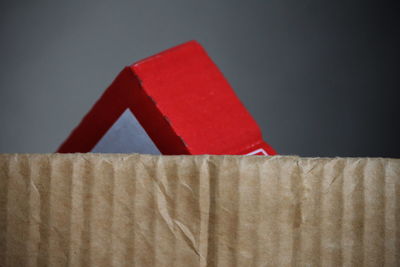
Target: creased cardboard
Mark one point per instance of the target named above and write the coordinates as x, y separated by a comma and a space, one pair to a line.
139, 210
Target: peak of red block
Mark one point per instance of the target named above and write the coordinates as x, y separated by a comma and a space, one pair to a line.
175, 102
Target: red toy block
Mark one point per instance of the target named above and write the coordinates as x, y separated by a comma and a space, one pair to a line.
175, 102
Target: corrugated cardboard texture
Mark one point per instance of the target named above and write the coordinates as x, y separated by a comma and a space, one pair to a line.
125, 210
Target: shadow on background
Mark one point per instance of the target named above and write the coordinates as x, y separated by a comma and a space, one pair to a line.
322, 79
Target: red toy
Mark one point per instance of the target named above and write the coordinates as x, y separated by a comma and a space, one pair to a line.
175, 102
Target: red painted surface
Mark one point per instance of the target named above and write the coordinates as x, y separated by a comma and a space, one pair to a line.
183, 102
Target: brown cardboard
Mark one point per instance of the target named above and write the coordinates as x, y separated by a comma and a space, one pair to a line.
125, 210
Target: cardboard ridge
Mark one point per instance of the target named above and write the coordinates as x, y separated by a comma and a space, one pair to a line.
142, 210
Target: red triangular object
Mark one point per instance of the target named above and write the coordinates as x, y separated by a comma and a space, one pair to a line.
175, 102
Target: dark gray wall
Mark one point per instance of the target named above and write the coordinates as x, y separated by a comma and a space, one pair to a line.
320, 77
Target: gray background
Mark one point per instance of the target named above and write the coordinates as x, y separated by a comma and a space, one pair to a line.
320, 77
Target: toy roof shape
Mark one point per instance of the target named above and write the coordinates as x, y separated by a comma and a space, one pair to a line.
175, 102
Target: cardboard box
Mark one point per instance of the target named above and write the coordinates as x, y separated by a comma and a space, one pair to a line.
176, 102
140, 210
